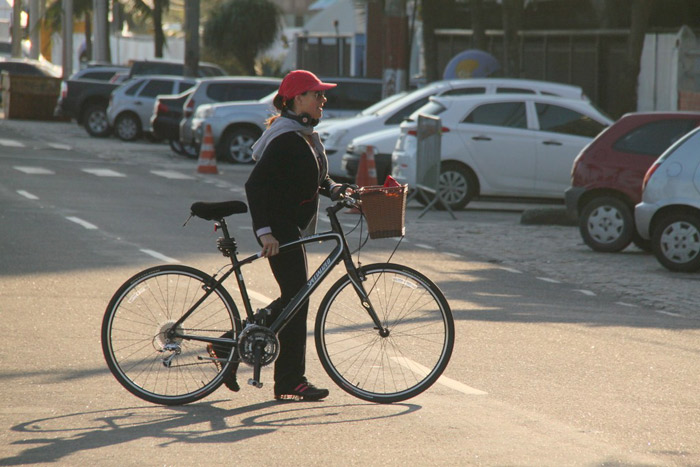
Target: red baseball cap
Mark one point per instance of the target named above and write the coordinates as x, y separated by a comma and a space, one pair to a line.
300, 81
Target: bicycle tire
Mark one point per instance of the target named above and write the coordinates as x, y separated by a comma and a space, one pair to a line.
393, 368
133, 335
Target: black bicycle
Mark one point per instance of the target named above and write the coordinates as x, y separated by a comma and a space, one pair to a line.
384, 332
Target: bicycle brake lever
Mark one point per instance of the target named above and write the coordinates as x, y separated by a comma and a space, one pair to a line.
188, 219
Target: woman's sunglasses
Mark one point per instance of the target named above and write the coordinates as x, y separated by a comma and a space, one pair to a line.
318, 94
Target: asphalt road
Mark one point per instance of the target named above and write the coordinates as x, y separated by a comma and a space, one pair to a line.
542, 373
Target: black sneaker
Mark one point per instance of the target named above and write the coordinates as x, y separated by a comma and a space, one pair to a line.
304, 391
230, 381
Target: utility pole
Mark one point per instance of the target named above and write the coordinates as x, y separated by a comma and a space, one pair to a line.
67, 52
100, 46
34, 24
17, 29
191, 38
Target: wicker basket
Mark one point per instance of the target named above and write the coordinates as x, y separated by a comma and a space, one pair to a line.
385, 210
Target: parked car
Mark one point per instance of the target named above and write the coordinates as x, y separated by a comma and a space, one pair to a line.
606, 179
99, 72
669, 214
29, 67
502, 145
337, 136
131, 105
235, 126
165, 121
382, 143
157, 66
223, 89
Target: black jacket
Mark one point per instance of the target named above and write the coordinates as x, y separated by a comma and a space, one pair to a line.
283, 187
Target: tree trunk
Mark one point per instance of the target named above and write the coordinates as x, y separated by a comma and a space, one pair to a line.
88, 35
158, 27
478, 29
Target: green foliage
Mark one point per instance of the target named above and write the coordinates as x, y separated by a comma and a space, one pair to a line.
242, 29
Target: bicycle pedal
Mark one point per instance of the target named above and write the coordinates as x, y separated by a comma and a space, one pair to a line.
255, 383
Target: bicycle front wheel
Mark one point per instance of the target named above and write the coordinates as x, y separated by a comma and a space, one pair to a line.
399, 364
141, 349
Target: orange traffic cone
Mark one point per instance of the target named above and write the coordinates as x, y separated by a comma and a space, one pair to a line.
207, 158
366, 170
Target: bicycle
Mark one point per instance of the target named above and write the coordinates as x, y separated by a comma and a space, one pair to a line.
384, 332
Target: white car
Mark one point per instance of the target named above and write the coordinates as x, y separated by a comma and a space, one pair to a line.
669, 214
502, 145
131, 104
336, 136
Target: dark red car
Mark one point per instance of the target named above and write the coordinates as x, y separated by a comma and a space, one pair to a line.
606, 179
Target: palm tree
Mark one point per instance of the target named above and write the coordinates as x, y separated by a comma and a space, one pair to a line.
144, 10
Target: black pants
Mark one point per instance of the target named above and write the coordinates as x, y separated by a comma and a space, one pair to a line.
290, 271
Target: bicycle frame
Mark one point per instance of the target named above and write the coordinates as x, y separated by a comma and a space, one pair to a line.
340, 252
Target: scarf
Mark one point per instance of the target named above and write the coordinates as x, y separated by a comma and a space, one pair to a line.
280, 126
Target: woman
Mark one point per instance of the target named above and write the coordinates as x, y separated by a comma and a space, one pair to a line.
282, 190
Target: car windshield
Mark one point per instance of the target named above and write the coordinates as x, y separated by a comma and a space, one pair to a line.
431, 108
408, 99
269, 98
687, 143
375, 108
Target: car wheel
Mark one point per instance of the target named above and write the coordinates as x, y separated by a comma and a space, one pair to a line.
607, 224
237, 145
127, 127
676, 242
95, 121
176, 146
457, 185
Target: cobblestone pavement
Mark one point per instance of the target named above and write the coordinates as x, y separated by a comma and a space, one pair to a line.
554, 251
558, 252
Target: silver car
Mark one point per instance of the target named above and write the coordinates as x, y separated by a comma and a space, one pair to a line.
223, 89
131, 104
669, 213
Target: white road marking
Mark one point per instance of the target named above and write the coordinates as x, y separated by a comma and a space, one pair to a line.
585, 292
104, 172
83, 223
454, 255
668, 313
65, 147
547, 279
171, 174
159, 256
424, 246
11, 143
34, 170
631, 305
514, 271
26, 194
444, 380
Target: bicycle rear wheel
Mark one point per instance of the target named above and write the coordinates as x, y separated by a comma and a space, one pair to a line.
145, 359
400, 365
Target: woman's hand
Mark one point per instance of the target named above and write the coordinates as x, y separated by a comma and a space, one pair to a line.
345, 189
270, 245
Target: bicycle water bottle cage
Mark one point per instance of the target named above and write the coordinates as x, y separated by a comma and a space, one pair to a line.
217, 211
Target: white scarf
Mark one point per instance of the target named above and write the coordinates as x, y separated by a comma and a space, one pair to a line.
280, 126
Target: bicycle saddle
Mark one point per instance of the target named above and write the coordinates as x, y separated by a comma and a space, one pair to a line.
217, 211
